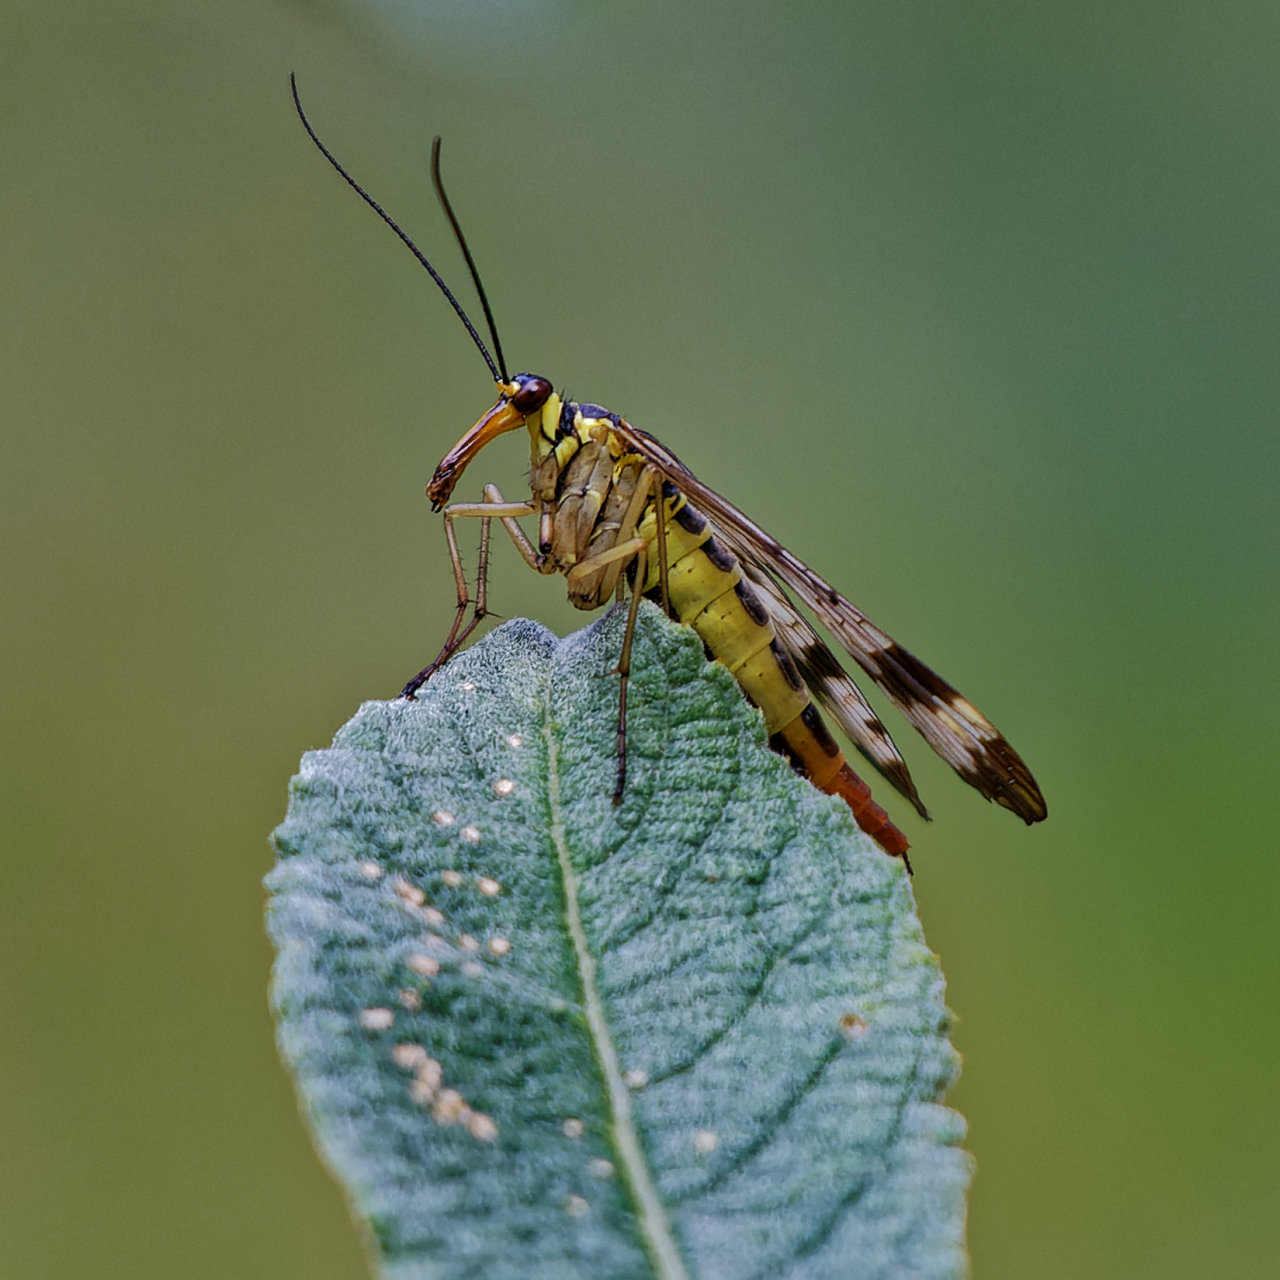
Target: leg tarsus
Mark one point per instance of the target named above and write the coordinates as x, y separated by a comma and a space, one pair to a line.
458, 634
410, 691
623, 670
620, 780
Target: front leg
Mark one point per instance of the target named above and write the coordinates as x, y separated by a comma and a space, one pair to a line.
493, 505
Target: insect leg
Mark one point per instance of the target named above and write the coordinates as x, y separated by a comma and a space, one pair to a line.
625, 531
493, 496
623, 670
660, 524
623, 551
453, 640
486, 511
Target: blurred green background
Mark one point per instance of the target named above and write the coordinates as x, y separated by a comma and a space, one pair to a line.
974, 305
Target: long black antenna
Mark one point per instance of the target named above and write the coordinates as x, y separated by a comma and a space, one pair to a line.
466, 253
413, 248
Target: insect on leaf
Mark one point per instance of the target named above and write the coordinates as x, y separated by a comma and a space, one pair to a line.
542, 1037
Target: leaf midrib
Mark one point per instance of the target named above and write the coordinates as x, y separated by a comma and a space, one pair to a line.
655, 1229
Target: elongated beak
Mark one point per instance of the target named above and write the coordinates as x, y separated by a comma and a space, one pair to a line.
501, 418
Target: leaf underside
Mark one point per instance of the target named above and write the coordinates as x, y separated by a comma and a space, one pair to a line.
540, 1036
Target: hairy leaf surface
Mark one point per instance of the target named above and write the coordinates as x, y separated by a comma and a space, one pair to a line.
539, 1036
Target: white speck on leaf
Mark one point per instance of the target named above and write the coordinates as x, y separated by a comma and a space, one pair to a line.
449, 1107
409, 892
481, 1127
408, 1056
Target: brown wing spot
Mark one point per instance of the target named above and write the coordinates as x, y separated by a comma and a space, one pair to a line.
817, 658
751, 603
817, 726
817, 664
922, 674
1018, 791
874, 727
905, 678
821, 671
993, 767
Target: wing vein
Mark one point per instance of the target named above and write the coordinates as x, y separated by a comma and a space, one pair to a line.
951, 725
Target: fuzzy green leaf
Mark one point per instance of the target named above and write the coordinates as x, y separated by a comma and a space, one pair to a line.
541, 1037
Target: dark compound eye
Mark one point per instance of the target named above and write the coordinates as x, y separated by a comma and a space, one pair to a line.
531, 392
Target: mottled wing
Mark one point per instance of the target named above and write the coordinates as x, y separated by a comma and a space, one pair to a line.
828, 681
951, 725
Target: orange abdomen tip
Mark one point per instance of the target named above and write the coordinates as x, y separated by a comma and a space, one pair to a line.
866, 813
813, 753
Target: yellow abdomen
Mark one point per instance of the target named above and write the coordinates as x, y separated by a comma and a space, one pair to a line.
709, 594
